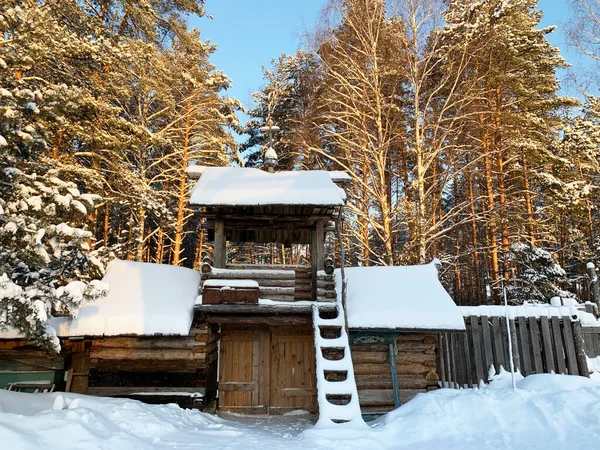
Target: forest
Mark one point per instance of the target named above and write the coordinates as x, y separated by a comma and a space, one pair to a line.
447, 115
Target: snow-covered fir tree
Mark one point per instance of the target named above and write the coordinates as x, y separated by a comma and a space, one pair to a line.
537, 277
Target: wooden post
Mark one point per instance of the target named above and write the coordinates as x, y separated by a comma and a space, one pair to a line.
220, 256
317, 251
594, 285
579, 349
393, 351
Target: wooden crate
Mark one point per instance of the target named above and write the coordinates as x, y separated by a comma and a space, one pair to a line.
214, 295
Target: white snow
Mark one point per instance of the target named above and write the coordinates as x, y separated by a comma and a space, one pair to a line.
339, 176
232, 186
530, 310
195, 171
545, 412
143, 299
407, 297
231, 283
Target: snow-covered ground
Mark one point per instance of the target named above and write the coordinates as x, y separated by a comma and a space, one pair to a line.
545, 412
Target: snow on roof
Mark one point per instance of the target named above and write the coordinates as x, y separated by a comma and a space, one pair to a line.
530, 310
195, 171
144, 299
233, 186
399, 297
339, 176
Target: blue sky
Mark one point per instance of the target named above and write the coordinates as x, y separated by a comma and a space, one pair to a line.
249, 34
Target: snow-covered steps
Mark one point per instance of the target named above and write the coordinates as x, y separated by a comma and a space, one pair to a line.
336, 386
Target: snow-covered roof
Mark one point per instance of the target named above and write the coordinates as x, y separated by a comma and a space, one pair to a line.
233, 186
144, 299
399, 297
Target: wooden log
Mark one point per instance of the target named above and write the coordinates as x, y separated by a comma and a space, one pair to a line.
148, 365
383, 382
372, 397
384, 369
116, 390
181, 342
266, 292
196, 354
256, 275
220, 245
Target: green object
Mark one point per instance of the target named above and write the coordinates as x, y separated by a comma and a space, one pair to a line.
13, 377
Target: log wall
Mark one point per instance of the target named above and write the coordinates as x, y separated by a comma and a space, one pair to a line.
415, 366
120, 366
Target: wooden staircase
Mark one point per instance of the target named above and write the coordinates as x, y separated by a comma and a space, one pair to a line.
336, 387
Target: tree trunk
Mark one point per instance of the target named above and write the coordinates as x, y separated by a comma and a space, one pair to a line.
182, 192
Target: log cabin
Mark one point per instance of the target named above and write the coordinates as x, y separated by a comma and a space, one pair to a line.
262, 338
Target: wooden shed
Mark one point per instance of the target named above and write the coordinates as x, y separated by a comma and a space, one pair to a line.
138, 341
395, 316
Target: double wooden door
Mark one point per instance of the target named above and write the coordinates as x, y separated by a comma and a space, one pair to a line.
267, 369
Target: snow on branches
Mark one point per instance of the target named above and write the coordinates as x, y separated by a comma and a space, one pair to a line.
45, 262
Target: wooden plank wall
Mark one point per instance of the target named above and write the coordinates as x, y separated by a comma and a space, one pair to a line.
415, 365
540, 345
123, 365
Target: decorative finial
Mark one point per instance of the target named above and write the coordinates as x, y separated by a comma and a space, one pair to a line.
270, 159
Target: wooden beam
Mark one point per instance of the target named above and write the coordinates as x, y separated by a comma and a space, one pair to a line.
220, 256
317, 251
393, 351
259, 320
256, 309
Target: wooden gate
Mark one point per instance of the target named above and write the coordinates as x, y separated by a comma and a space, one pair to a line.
267, 369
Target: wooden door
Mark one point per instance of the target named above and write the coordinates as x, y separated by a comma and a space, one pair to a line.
267, 370
293, 379
239, 369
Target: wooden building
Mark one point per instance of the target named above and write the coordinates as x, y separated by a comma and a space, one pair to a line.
282, 349
267, 338
139, 339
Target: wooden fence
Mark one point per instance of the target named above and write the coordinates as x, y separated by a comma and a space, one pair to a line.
540, 345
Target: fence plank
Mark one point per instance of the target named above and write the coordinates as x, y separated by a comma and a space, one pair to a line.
525, 346
448, 356
547, 345
442, 359
477, 355
453, 361
466, 360
515, 346
570, 346
487, 344
498, 340
536, 345
558, 346
582, 363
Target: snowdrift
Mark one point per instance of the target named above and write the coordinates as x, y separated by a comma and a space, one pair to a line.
544, 412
